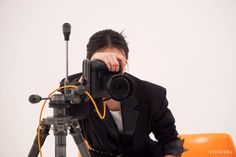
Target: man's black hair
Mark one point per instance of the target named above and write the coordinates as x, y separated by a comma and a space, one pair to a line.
106, 39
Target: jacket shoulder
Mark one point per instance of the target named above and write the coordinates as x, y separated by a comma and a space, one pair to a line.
147, 89
72, 78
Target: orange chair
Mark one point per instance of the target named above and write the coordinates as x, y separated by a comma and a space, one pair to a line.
208, 145
87, 145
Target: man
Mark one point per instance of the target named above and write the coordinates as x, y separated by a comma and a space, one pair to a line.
128, 123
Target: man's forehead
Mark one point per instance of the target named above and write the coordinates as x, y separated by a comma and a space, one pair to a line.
112, 49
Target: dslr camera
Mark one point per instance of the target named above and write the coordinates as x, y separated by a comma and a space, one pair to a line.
104, 83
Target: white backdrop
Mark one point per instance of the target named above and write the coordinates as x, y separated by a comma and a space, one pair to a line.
187, 46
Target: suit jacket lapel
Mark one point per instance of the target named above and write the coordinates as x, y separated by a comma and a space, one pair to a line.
108, 122
111, 126
129, 115
129, 118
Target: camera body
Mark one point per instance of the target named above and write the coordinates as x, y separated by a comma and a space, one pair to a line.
104, 83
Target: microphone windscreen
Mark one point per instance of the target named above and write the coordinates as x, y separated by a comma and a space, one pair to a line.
66, 31
34, 99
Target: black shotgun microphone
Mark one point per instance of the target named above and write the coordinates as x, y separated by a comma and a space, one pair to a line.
66, 31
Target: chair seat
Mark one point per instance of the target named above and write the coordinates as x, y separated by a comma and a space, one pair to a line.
208, 145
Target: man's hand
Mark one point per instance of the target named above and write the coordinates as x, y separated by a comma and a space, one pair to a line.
170, 156
112, 57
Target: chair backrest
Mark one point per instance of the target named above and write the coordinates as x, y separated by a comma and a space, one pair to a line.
208, 145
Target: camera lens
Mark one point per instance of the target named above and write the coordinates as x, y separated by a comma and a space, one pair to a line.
118, 87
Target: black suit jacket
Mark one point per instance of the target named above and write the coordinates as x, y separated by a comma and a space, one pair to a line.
143, 113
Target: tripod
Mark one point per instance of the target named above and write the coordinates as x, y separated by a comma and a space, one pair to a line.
60, 121
61, 124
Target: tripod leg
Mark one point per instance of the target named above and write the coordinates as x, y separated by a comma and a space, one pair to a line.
60, 146
60, 132
44, 132
79, 140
